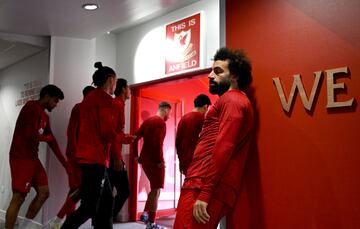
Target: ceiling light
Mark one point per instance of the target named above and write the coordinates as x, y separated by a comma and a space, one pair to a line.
90, 6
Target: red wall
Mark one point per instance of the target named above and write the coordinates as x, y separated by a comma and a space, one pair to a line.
304, 171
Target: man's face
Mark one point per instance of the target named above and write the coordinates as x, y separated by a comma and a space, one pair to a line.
112, 80
52, 103
167, 114
219, 78
127, 92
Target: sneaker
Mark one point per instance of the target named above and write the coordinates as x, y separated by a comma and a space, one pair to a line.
54, 223
144, 217
154, 226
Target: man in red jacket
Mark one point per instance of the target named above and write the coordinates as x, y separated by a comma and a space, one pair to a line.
97, 131
32, 127
153, 130
74, 178
188, 131
119, 179
214, 177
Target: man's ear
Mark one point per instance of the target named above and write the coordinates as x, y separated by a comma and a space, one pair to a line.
234, 77
46, 97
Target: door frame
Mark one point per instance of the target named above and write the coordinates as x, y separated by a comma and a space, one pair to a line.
134, 124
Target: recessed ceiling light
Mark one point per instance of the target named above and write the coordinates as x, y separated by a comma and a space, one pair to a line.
90, 6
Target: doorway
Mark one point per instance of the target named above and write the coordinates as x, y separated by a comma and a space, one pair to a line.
180, 92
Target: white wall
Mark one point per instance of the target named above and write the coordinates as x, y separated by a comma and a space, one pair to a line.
105, 50
71, 69
12, 83
146, 42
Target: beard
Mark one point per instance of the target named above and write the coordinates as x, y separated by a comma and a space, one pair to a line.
219, 88
49, 109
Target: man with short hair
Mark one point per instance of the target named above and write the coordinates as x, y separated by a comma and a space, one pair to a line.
32, 127
119, 178
153, 130
188, 130
214, 177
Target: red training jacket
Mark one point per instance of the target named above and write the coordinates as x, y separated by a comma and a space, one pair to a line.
73, 131
187, 136
33, 126
116, 147
98, 128
219, 158
153, 130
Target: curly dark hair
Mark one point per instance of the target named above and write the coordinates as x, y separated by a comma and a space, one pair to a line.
52, 91
239, 65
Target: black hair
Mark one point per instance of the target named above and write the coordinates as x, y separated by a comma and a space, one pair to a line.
120, 84
87, 90
101, 74
164, 105
201, 100
239, 65
52, 91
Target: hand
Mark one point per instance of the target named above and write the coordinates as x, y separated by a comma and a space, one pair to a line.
128, 139
46, 138
118, 165
199, 212
161, 165
51, 138
136, 159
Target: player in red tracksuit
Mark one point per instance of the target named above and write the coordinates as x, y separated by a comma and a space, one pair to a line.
98, 130
119, 179
74, 178
153, 131
214, 177
188, 131
32, 127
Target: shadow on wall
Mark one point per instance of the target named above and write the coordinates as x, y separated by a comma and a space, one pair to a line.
249, 210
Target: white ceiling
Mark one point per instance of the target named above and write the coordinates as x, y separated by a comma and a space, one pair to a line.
26, 25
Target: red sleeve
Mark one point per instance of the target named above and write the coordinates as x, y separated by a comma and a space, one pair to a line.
72, 130
231, 118
179, 140
179, 137
160, 136
55, 147
139, 134
116, 147
34, 122
106, 123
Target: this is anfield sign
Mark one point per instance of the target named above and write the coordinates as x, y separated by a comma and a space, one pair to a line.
183, 45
